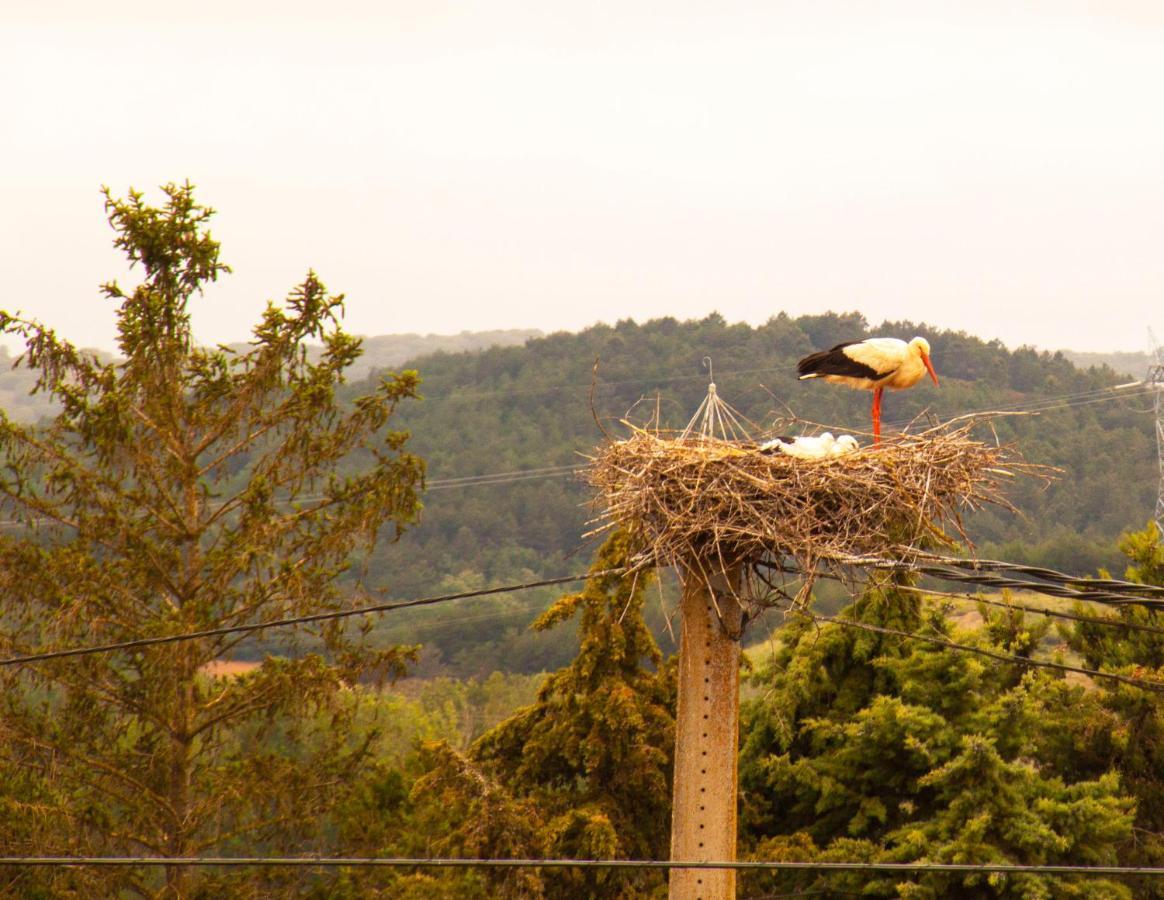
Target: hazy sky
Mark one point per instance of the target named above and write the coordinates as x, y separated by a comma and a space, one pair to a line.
995, 167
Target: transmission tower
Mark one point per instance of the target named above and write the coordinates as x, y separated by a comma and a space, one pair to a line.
1156, 377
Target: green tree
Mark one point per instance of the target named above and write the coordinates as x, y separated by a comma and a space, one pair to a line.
180, 489
586, 769
868, 746
1119, 726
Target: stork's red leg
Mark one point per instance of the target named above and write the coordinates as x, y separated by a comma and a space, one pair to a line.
877, 415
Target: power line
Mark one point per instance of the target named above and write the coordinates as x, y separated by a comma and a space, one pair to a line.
1084, 398
1040, 611
1010, 658
504, 477
1010, 605
1064, 401
1084, 583
543, 863
1091, 589
950, 354
432, 485
297, 620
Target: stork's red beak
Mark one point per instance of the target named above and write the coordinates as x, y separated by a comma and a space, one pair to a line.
930, 367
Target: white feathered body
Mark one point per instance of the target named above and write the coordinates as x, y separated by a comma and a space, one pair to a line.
819, 446
871, 363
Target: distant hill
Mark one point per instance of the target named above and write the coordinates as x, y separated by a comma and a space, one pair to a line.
1134, 365
383, 351
508, 411
388, 351
16, 384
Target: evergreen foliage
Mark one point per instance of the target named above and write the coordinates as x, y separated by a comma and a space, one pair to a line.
869, 747
182, 489
584, 772
1120, 728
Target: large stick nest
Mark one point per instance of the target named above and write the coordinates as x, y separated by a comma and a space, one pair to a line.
707, 501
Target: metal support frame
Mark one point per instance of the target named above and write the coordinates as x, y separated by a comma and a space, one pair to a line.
1155, 377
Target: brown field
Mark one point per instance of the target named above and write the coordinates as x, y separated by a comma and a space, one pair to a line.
228, 668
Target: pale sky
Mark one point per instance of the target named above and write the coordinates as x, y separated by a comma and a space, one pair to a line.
993, 167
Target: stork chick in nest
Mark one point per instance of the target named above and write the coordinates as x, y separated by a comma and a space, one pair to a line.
806, 447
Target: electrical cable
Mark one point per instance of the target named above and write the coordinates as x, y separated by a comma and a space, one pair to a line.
1084, 583
1001, 604
1010, 658
443, 863
296, 620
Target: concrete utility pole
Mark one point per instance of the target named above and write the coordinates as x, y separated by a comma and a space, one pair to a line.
707, 721
703, 816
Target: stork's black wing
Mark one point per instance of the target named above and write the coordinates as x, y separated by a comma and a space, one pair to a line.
835, 362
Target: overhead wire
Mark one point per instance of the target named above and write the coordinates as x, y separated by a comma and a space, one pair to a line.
1122, 624
1010, 658
1101, 395
1093, 593
1091, 589
548, 863
424, 601
948, 354
138, 643
1064, 401
1082, 582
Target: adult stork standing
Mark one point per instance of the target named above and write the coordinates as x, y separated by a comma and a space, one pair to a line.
872, 364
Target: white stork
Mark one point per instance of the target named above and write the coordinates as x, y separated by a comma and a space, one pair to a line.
872, 364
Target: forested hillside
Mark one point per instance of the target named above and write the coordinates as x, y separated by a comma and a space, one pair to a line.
515, 410
389, 350
1132, 364
380, 352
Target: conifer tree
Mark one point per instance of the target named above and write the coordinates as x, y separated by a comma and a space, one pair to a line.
1118, 726
178, 489
590, 762
871, 747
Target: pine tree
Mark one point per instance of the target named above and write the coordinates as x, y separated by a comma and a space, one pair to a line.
178, 489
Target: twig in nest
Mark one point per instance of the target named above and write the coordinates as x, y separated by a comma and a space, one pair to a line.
593, 406
707, 505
